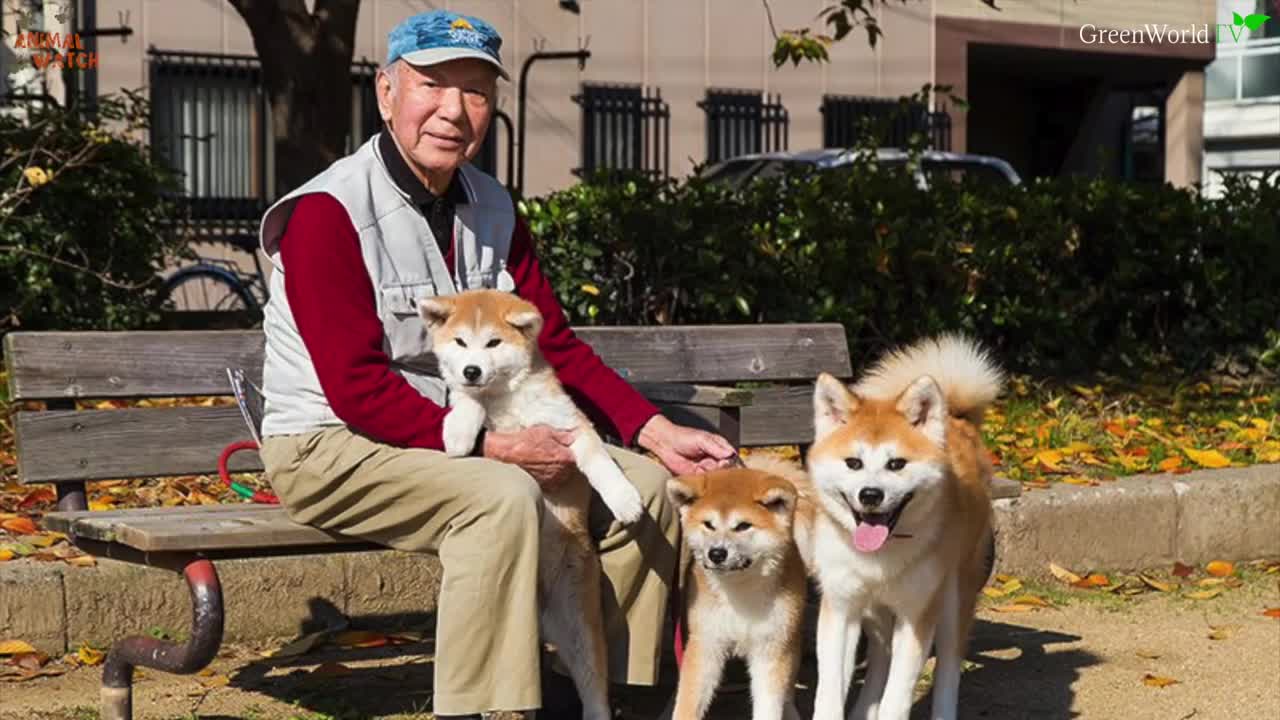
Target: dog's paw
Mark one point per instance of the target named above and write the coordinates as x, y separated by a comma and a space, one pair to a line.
461, 426
624, 502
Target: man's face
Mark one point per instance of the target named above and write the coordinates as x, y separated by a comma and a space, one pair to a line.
440, 113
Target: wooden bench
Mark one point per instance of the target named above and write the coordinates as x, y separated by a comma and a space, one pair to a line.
689, 372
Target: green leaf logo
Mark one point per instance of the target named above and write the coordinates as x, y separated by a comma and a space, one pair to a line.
1252, 21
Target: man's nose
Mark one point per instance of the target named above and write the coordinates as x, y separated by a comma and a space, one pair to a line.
450, 103
471, 373
717, 555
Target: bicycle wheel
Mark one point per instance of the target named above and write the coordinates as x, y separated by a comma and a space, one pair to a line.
205, 296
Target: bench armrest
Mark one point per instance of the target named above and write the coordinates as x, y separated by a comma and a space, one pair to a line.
690, 394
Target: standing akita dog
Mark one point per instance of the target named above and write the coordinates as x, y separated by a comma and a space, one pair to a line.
486, 343
745, 597
898, 538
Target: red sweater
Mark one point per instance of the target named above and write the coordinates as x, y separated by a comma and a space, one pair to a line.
333, 305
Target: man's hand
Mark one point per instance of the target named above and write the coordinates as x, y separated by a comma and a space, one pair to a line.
684, 450
541, 451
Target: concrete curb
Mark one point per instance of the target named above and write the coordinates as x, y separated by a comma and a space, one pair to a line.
1137, 522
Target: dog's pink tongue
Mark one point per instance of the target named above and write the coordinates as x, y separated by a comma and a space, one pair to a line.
869, 537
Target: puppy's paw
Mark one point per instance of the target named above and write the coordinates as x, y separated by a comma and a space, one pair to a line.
461, 426
624, 502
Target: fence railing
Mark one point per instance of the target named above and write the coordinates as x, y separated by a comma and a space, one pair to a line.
624, 127
842, 114
741, 122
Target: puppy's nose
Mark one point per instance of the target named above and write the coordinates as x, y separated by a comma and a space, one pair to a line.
471, 373
870, 497
717, 555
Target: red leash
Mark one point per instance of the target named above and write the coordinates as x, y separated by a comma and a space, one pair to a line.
245, 492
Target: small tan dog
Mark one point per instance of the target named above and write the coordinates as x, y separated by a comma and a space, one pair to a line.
486, 343
902, 523
746, 595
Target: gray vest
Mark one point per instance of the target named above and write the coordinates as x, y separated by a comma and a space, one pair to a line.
405, 264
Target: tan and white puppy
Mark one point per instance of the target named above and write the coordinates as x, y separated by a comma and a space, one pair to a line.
486, 344
901, 522
745, 592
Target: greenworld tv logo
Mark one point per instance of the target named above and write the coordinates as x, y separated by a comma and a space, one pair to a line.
1152, 34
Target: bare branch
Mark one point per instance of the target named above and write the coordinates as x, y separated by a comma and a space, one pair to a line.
103, 278
768, 11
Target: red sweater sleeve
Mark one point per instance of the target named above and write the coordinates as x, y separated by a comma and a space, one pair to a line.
598, 389
333, 305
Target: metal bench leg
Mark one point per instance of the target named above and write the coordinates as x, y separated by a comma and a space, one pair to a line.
149, 652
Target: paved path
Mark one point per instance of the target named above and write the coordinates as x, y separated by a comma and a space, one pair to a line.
1086, 659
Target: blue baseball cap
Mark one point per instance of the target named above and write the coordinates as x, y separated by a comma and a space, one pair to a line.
439, 35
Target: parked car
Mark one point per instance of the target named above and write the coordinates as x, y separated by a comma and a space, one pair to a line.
956, 166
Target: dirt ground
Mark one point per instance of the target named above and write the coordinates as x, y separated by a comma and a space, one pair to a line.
1084, 658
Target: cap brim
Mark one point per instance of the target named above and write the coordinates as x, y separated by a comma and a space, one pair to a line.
433, 56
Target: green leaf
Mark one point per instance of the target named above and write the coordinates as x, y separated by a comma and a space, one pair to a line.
1236, 19
1253, 22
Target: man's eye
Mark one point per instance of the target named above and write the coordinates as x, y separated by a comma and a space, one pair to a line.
459, 341
493, 343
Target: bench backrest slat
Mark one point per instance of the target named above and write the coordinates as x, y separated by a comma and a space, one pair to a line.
59, 365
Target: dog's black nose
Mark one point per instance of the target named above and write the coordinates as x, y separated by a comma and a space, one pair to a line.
870, 497
471, 373
717, 555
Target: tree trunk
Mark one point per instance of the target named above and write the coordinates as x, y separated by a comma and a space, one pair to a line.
306, 70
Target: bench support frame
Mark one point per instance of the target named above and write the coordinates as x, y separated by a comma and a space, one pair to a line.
207, 619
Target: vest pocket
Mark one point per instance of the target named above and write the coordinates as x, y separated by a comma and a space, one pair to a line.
402, 298
405, 330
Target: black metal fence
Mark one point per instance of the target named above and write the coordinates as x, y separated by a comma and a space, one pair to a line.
624, 127
842, 115
211, 121
740, 122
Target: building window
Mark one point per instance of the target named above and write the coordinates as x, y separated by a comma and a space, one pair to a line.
844, 117
211, 120
1245, 71
624, 127
742, 122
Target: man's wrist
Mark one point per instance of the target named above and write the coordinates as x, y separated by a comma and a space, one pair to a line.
651, 430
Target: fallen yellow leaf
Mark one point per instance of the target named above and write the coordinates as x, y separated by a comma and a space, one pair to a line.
1050, 459
89, 656
1064, 574
1012, 608
1093, 581
1147, 654
1219, 568
992, 592
1205, 594
1033, 600
1207, 458
1157, 681
1161, 586
1221, 632
15, 647
6, 554
1170, 464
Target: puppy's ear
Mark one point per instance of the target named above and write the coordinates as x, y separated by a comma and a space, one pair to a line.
435, 311
832, 405
925, 407
684, 490
778, 499
528, 322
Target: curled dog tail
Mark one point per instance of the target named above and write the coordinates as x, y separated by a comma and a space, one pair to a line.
969, 377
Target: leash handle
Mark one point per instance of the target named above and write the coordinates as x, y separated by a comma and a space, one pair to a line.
244, 492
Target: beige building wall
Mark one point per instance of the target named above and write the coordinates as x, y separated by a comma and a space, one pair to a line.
1071, 14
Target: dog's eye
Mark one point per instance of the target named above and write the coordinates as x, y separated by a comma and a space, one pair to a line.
493, 343
853, 463
742, 527
459, 341
707, 524
896, 464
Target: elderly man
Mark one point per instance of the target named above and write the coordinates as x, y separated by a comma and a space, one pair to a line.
352, 428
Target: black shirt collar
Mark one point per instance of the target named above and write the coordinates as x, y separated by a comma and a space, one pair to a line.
409, 183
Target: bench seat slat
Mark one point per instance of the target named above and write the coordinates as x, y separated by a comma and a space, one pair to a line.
54, 365
196, 529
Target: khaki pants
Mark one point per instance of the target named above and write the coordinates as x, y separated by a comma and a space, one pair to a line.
481, 517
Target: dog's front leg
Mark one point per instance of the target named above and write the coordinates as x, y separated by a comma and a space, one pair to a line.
604, 475
773, 683
699, 677
912, 637
835, 631
878, 627
462, 424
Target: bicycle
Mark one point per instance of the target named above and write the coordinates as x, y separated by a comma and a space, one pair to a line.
215, 292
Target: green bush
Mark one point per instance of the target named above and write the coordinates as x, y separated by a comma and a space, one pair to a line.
83, 219
1070, 275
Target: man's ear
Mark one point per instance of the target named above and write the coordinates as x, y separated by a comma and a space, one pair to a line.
528, 322
684, 490
832, 405
435, 311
